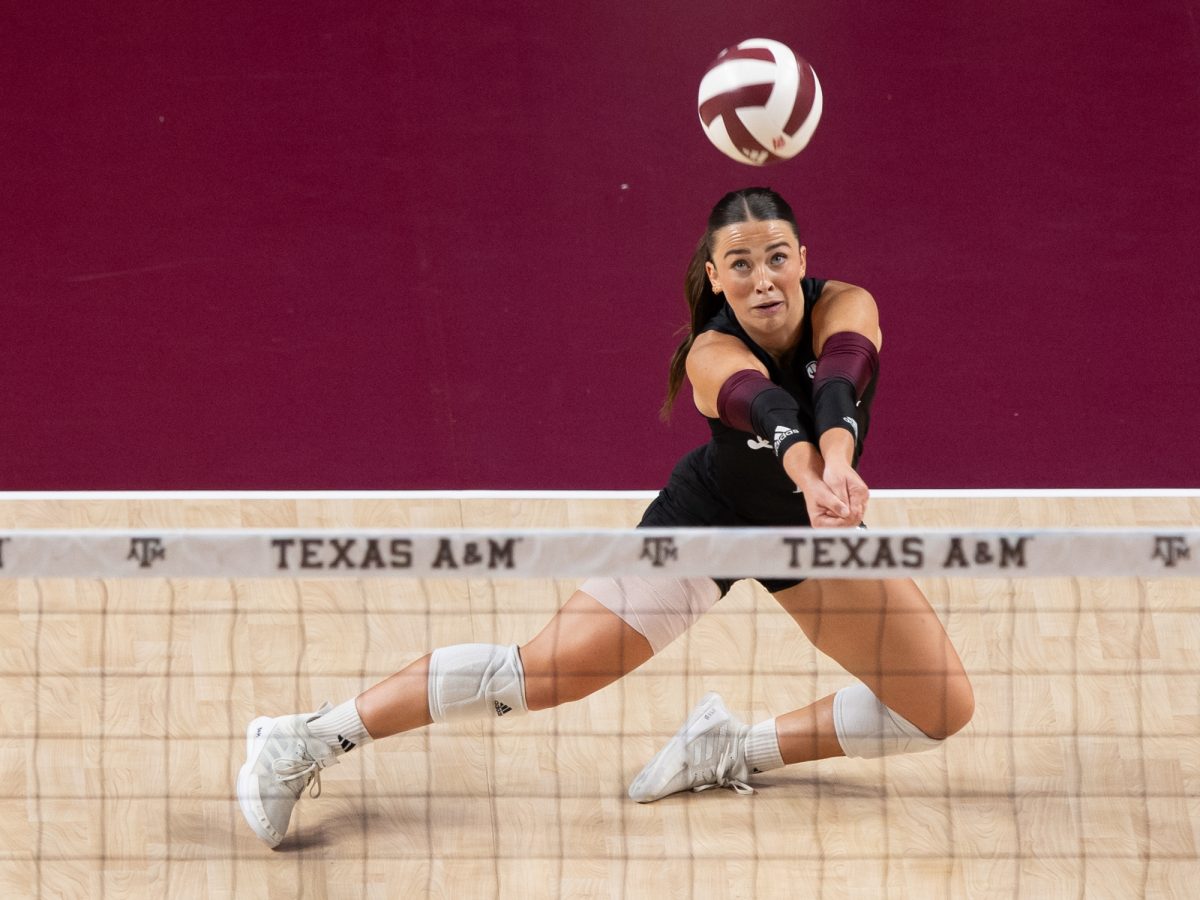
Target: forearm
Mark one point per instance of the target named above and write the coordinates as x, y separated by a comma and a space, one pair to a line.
837, 445
803, 463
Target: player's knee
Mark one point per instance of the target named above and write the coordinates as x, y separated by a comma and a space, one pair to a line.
953, 714
868, 729
961, 707
469, 681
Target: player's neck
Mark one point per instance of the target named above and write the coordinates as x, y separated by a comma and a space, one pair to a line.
780, 344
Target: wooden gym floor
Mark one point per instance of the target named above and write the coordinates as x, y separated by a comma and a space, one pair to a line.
124, 707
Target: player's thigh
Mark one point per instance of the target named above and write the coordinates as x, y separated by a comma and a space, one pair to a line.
885, 633
584, 647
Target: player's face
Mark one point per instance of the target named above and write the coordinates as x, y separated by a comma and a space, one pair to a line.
758, 267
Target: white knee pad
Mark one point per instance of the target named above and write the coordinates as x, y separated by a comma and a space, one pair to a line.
470, 681
867, 729
659, 609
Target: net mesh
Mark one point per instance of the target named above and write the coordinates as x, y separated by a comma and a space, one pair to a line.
125, 704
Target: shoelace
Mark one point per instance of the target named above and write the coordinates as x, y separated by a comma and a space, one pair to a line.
297, 767
718, 778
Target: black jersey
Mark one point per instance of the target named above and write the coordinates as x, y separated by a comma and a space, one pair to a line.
735, 479
743, 466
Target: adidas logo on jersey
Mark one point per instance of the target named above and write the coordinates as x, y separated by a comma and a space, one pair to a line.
347, 746
501, 708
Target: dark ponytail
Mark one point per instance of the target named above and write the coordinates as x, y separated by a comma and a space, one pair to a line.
747, 205
704, 304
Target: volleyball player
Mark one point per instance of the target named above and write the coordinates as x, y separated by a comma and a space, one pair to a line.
783, 366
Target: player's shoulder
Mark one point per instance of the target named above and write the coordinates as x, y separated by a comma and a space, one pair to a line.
716, 341
716, 354
845, 307
842, 293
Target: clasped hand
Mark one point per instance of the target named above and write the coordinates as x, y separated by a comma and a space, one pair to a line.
834, 494
838, 499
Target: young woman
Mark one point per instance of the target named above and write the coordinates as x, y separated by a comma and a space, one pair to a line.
783, 366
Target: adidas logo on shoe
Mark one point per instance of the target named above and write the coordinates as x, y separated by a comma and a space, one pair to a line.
347, 746
501, 708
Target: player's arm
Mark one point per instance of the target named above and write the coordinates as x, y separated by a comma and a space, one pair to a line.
729, 383
847, 338
712, 360
845, 307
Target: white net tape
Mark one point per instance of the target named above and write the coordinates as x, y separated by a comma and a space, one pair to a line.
729, 553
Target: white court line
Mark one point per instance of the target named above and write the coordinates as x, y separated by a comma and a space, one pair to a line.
895, 494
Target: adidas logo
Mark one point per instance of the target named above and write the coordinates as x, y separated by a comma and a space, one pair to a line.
501, 708
347, 746
781, 434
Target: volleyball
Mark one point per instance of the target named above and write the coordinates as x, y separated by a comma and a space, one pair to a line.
759, 102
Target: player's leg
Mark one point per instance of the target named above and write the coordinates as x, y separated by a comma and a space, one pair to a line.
604, 631
584, 647
913, 690
913, 693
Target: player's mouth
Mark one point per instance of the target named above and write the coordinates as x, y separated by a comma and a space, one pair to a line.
767, 309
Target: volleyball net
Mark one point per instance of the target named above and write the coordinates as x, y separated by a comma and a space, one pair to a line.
549, 553
132, 659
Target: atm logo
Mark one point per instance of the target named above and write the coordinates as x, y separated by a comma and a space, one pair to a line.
147, 551
1170, 549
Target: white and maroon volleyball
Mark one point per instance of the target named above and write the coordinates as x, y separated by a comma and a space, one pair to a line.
759, 102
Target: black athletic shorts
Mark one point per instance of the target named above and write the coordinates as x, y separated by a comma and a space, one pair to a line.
688, 502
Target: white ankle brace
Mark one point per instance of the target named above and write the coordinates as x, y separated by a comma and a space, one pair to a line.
867, 729
470, 681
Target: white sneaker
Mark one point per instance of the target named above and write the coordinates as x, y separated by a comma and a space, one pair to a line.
708, 751
282, 759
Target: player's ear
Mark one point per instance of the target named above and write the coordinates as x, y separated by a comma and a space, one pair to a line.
713, 280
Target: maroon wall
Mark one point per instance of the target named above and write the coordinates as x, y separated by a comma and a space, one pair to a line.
354, 245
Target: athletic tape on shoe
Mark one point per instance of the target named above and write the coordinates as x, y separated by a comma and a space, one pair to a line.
471, 681
867, 729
